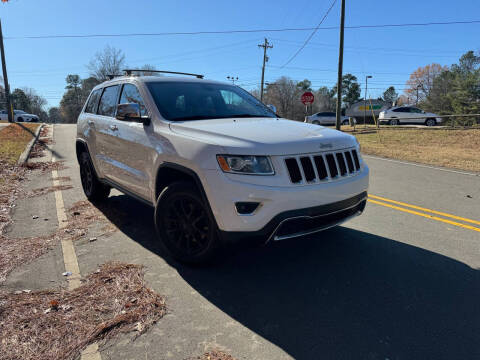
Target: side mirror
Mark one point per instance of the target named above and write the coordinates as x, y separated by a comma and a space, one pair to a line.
272, 107
131, 112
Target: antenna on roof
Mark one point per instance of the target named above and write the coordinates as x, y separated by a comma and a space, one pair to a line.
130, 72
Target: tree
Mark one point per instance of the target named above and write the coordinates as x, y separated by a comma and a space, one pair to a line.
20, 100
54, 115
390, 95
325, 99
422, 79
146, 69
110, 61
350, 90
285, 95
305, 85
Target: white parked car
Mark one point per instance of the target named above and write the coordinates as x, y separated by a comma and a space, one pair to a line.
215, 163
408, 115
325, 118
19, 115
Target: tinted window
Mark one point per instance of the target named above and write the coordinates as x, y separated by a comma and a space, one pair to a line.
404, 109
198, 100
130, 94
415, 110
93, 102
108, 102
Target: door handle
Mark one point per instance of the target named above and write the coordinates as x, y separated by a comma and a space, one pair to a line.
113, 127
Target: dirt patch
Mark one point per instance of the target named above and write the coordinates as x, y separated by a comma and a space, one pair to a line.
214, 355
48, 189
58, 324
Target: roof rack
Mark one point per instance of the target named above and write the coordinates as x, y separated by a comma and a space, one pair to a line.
112, 76
130, 71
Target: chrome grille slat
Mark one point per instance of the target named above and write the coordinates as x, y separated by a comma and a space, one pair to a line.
328, 166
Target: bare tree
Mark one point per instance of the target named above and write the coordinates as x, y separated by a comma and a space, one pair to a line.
285, 95
110, 61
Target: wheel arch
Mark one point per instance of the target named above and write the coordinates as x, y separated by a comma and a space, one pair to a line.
171, 172
168, 173
81, 146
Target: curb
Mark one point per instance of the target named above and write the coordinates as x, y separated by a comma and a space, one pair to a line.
26, 153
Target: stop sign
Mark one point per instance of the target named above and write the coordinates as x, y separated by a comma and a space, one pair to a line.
307, 98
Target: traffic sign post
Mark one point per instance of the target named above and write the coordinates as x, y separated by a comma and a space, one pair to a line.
307, 99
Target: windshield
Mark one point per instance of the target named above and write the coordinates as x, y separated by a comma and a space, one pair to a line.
179, 101
19, 112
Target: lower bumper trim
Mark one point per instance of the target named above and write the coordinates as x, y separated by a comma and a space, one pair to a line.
294, 223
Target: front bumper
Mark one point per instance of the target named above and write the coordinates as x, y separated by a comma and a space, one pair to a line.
223, 192
303, 222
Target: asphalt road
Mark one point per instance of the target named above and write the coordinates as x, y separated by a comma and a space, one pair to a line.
391, 284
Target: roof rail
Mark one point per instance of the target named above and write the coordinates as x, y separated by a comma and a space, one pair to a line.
112, 76
130, 71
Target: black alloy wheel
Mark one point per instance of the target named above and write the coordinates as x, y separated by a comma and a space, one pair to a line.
185, 225
94, 190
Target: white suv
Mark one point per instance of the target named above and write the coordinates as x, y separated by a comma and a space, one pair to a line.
217, 164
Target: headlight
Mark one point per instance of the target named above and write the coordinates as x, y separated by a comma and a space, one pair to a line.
246, 164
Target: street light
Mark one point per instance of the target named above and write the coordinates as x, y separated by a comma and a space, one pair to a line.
232, 79
365, 100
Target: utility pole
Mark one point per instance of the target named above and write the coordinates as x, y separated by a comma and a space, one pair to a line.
418, 86
5, 77
340, 68
365, 100
266, 45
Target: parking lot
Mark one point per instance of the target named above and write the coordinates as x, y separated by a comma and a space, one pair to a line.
399, 282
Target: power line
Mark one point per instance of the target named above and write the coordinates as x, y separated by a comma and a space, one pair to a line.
70, 36
311, 35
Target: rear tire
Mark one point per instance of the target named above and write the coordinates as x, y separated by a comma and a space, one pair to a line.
315, 122
185, 225
20, 119
345, 122
431, 122
94, 190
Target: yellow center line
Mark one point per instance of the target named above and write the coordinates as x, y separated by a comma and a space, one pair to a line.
426, 215
425, 209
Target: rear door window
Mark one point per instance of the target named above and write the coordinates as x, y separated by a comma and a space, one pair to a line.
93, 102
108, 101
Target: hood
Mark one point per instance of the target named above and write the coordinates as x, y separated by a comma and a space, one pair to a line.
264, 136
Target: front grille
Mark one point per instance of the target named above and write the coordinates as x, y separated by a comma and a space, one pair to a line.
322, 167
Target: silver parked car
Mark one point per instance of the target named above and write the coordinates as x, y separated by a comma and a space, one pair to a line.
325, 118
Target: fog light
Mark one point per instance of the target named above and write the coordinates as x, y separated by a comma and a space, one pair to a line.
245, 208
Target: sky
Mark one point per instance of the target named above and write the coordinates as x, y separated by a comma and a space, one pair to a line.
389, 54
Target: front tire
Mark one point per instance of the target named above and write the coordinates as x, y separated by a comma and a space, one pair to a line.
431, 122
394, 122
94, 190
315, 122
185, 224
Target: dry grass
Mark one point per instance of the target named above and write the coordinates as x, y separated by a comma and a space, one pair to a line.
214, 355
13, 140
58, 324
457, 149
